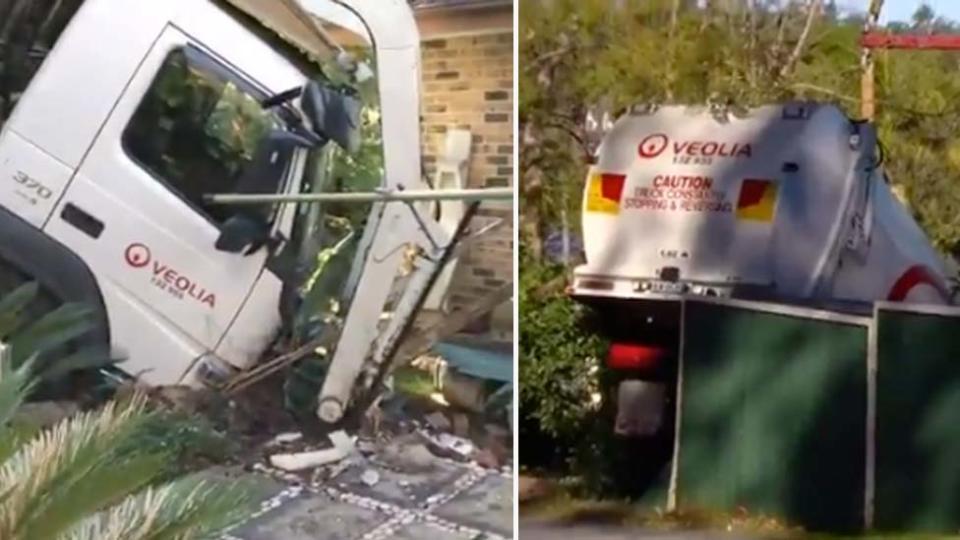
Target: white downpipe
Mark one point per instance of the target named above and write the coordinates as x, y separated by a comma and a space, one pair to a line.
451, 175
396, 42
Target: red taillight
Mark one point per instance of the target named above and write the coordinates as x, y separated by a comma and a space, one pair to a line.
634, 356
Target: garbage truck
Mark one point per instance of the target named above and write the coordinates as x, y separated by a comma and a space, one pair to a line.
121, 119
783, 203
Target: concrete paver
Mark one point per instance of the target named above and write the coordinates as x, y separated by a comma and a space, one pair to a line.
413, 497
423, 531
400, 488
314, 516
487, 505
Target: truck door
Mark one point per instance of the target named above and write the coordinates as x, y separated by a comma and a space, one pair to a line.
186, 125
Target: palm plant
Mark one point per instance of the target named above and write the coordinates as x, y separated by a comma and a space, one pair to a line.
85, 477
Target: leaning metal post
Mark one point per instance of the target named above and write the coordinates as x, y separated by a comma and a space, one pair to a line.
367, 196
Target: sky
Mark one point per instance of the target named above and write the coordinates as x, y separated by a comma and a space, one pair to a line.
901, 10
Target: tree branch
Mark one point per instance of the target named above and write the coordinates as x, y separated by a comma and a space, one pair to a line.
794, 57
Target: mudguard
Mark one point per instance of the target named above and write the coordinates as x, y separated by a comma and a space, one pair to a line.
57, 269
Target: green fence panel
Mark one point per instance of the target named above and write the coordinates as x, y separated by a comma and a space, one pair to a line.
773, 415
918, 422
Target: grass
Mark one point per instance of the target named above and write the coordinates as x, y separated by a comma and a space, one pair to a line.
560, 505
567, 510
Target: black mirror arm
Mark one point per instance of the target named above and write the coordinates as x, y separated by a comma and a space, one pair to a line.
282, 98
254, 247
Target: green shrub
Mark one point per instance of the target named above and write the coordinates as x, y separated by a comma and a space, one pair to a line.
558, 373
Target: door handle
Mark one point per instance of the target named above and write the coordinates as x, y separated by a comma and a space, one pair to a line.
80, 219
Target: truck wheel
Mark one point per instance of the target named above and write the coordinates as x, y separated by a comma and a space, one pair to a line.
637, 466
84, 384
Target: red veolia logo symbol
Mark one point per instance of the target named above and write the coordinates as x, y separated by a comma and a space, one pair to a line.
137, 255
653, 145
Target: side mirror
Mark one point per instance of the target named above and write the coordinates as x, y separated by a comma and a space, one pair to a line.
249, 228
243, 234
333, 114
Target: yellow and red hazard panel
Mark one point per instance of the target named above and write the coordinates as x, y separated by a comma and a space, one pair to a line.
758, 200
604, 192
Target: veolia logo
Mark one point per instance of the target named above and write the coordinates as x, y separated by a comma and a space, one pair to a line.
138, 255
653, 146
167, 278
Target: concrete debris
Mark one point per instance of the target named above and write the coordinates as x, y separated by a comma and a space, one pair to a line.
343, 446
370, 477
285, 438
438, 421
408, 454
438, 398
458, 444
448, 446
366, 446
463, 391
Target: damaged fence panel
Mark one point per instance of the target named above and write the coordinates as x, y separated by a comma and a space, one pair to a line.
772, 414
918, 399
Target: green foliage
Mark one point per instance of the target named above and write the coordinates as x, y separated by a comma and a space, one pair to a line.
329, 235
189, 442
413, 381
99, 474
576, 55
557, 359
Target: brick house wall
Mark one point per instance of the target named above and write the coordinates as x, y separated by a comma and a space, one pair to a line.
468, 84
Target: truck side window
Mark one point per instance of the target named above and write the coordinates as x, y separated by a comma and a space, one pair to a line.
196, 131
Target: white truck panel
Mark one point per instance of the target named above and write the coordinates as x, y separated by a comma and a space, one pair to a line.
31, 179
154, 246
179, 281
157, 354
85, 75
256, 324
230, 41
899, 253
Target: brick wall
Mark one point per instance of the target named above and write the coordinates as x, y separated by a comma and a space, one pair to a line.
468, 84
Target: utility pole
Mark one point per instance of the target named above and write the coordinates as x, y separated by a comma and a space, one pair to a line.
868, 97
873, 39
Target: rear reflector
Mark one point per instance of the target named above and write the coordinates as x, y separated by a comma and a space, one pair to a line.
634, 356
595, 284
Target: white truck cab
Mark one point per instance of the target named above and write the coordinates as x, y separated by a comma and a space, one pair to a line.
138, 111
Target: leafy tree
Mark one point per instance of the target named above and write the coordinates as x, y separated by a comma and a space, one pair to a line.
924, 16
582, 56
